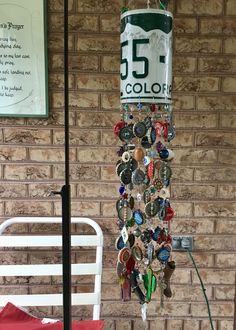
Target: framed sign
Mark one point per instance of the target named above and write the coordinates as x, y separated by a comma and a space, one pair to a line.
23, 59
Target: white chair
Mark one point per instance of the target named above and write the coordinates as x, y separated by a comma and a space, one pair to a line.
30, 240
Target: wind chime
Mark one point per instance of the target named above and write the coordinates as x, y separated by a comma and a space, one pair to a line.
145, 130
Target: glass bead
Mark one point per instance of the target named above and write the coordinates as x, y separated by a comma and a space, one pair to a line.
121, 190
152, 153
137, 232
166, 107
131, 222
139, 106
152, 190
126, 117
126, 107
139, 197
159, 146
153, 107
125, 196
120, 224
164, 153
146, 261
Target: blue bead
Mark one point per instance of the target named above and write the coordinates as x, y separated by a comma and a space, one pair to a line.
138, 218
164, 153
121, 190
163, 254
139, 106
156, 233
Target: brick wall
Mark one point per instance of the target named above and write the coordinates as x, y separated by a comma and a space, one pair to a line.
204, 184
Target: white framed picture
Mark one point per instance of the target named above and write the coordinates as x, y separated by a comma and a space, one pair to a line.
23, 59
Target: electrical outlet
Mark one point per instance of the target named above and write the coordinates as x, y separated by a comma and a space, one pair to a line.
182, 243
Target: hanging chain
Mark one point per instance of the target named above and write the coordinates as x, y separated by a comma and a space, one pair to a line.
163, 4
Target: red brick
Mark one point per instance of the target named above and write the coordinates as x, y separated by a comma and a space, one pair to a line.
184, 65
192, 84
196, 120
98, 44
229, 84
27, 136
217, 64
194, 226
215, 174
229, 45
200, 45
223, 292
214, 243
218, 26
158, 324
214, 209
226, 324
185, 25
191, 191
97, 82
217, 310
110, 23
191, 324
175, 324
231, 7
216, 103
205, 324
183, 102
216, 139
215, 276
183, 261
95, 6
225, 227
200, 7
226, 260
24, 208
12, 190
193, 156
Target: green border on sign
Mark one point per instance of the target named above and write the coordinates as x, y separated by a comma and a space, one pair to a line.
148, 22
46, 57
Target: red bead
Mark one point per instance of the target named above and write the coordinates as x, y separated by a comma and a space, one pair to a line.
165, 131
153, 107
150, 169
130, 265
118, 127
169, 214
125, 196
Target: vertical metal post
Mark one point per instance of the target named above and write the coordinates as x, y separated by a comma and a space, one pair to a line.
66, 243
65, 192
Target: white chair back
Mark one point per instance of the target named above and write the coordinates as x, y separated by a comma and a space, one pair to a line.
31, 240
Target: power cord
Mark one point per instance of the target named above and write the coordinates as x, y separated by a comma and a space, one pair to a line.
203, 289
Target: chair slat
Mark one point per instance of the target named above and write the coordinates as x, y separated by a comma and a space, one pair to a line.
46, 241
49, 299
49, 270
